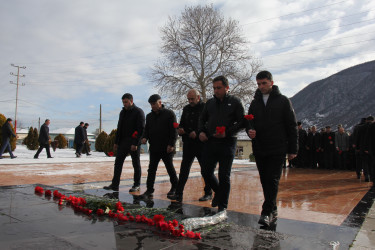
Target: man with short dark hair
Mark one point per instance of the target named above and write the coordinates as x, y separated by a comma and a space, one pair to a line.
222, 117
130, 127
273, 132
7, 132
192, 146
44, 139
161, 135
79, 138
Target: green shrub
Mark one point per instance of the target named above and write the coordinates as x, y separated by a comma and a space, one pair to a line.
100, 141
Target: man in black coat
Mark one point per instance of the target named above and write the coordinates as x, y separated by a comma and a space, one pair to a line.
274, 134
79, 138
161, 135
192, 146
130, 128
222, 117
7, 132
86, 145
328, 148
363, 144
44, 139
313, 147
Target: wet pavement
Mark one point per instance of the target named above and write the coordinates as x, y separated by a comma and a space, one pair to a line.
318, 209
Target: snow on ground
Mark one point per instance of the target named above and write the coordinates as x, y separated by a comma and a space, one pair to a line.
25, 156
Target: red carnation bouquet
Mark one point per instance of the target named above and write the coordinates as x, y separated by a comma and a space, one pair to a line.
249, 117
135, 135
220, 130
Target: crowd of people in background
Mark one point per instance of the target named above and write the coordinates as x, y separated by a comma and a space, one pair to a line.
339, 149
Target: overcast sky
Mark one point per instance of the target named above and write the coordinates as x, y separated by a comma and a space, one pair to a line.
80, 54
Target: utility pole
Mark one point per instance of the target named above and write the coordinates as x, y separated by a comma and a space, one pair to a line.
100, 119
18, 77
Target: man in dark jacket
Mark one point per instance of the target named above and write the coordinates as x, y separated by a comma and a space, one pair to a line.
192, 146
7, 132
79, 138
328, 148
363, 145
161, 135
86, 145
44, 139
273, 131
222, 117
130, 128
313, 147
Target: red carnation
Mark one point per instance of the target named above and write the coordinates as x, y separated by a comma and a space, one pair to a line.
100, 212
175, 125
249, 117
340, 152
220, 130
135, 135
48, 193
329, 137
110, 154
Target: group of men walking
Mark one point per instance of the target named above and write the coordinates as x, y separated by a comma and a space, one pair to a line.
81, 140
208, 132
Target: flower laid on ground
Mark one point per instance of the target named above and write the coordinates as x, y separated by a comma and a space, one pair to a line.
220, 130
116, 211
175, 125
110, 154
135, 135
249, 117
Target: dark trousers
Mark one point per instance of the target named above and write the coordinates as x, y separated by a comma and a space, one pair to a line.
79, 147
358, 162
190, 151
270, 168
41, 146
329, 159
313, 158
122, 152
222, 153
341, 159
6, 145
86, 147
366, 164
155, 158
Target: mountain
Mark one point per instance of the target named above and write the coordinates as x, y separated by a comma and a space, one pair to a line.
343, 98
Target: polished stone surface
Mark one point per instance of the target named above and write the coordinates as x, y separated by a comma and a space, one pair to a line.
317, 209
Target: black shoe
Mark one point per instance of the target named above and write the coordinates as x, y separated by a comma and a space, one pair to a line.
175, 197
214, 201
1, 157
13, 157
206, 197
274, 216
88, 154
264, 220
171, 193
36, 157
147, 194
50, 157
78, 155
134, 189
221, 209
367, 180
111, 187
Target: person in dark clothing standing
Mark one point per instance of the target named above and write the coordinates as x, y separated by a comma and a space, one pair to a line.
313, 147
222, 117
44, 139
192, 146
371, 137
300, 160
358, 159
7, 132
363, 144
328, 148
86, 144
79, 138
161, 135
130, 128
274, 134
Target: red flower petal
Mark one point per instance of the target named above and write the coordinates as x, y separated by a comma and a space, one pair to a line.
175, 125
249, 117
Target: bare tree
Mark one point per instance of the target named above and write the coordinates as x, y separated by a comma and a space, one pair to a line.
197, 46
